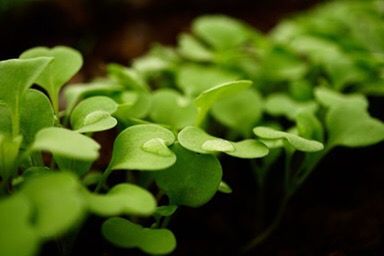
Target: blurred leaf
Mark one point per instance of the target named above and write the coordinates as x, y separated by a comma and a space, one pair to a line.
125, 234
122, 199
173, 109
239, 112
132, 105
9, 150
191, 48
127, 77
193, 79
143, 147
56, 201
18, 236
224, 188
193, 180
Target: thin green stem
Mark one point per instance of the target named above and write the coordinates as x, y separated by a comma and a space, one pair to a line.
103, 179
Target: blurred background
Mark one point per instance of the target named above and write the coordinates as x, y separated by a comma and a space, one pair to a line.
119, 30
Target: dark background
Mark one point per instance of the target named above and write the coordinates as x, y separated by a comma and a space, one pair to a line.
339, 211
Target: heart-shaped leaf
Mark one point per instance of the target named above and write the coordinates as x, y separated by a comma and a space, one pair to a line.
122, 199
94, 114
194, 79
173, 109
279, 104
66, 143
193, 180
294, 140
209, 97
123, 233
240, 112
18, 236
16, 76
127, 77
191, 48
36, 113
220, 32
57, 203
197, 140
143, 147
66, 62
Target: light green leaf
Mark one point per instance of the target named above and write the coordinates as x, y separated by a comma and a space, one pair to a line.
309, 126
224, 188
220, 32
240, 112
79, 167
294, 140
57, 203
36, 113
132, 105
193, 79
66, 62
122, 199
9, 151
94, 114
5, 120
193, 180
123, 233
197, 140
143, 147
351, 125
209, 97
66, 143
127, 77
18, 236
171, 108
329, 98
191, 48
279, 104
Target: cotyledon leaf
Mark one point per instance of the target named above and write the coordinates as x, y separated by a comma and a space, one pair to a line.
207, 98
66, 143
57, 203
36, 113
94, 114
128, 77
197, 140
143, 147
190, 48
171, 108
294, 140
66, 62
193, 180
18, 236
121, 199
126, 234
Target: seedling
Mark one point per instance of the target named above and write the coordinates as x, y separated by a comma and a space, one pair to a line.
274, 98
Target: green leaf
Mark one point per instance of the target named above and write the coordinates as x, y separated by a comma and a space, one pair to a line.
197, 140
193, 180
294, 140
16, 77
309, 126
220, 32
191, 48
9, 151
209, 97
132, 105
224, 188
279, 104
351, 125
122, 199
143, 147
66, 143
57, 203
329, 98
240, 112
123, 233
18, 236
94, 114
5, 120
193, 79
166, 210
36, 113
79, 167
171, 108
66, 63
127, 77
